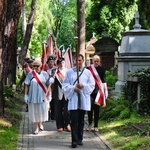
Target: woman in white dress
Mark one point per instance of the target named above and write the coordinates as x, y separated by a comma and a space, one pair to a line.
35, 89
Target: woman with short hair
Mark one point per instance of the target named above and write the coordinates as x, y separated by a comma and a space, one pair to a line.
35, 89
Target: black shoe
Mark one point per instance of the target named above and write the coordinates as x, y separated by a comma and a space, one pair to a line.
80, 143
74, 145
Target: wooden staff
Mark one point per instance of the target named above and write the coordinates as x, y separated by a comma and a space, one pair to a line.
49, 87
77, 53
77, 67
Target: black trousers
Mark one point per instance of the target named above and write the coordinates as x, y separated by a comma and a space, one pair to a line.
95, 109
77, 125
52, 109
62, 114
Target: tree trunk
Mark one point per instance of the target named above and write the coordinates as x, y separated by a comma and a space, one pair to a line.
9, 17
2, 20
28, 33
10, 50
81, 26
24, 23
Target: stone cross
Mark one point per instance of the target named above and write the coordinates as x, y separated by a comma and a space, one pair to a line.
137, 16
137, 25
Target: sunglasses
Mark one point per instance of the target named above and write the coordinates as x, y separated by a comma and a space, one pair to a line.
36, 66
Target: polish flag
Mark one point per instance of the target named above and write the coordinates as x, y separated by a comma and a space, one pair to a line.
68, 58
57, 52
49, 49
44, 56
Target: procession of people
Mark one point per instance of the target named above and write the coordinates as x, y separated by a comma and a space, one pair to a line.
53, 92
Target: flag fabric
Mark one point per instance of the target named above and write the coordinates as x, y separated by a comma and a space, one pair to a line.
44, 56
49, 49
68, 58
57, 52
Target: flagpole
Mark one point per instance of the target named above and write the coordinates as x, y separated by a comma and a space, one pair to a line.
77, 67
77, 53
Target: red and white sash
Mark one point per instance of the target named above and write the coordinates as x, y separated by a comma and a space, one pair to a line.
100, 97
28, 69
39, 82
60, 76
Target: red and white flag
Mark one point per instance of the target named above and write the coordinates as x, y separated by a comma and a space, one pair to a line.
68, 58
44, 56
57, 52
49, 49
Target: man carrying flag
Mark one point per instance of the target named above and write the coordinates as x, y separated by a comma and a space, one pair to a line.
100, 93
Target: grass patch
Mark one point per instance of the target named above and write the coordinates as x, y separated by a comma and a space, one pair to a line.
124, 136
10, 123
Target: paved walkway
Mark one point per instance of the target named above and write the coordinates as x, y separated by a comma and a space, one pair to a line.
50, 139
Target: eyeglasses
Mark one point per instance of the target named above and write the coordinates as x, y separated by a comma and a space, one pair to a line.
36, 66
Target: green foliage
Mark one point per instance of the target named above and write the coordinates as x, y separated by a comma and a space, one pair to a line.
19, 74
130, 90
125, 113
8, 91
110, 78
111, 17
144, 14
42, 24
8, 137
10, 124
128, 133
64, 22
116, 109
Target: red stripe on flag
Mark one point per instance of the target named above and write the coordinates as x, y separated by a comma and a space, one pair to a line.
49, 49
68, 58
44, 56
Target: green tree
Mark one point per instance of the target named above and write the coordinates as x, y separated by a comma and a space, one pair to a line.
42, 22
66, 32
9, 18
111, 17
144, 9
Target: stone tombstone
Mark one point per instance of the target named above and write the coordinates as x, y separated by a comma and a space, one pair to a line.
106, 48
134, 52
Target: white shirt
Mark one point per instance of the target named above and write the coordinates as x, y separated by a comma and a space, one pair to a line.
87, 80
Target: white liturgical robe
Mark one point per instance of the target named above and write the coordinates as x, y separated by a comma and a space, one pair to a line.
68, 87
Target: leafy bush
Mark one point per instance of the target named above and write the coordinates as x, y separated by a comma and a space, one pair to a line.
130, 90
19, 74
116, 109
8, 91
110, 78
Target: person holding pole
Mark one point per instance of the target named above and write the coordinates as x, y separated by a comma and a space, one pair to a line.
77, 87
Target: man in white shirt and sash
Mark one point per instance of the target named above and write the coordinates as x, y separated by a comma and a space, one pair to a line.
61, 104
